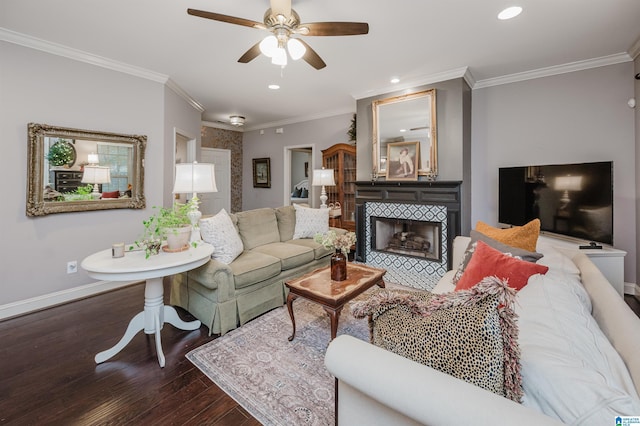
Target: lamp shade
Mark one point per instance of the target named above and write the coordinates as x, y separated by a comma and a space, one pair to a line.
323, 177
96, 174
568, 183
194, 177
92, 158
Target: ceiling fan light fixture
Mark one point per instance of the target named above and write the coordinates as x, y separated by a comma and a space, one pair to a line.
296, 49
269, 45
236, 120
279, 57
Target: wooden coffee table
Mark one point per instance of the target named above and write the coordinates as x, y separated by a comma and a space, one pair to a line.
318, 287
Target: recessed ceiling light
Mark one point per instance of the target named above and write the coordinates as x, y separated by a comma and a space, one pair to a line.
274, 87
510, 12
403, 130
395, 80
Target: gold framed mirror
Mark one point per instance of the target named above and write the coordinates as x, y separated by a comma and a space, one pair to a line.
406, 118
73, 170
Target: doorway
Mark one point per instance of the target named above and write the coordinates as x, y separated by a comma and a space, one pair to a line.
184, 152
295, 158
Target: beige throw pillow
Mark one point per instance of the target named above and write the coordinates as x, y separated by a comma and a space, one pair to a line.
219, 231
310, 222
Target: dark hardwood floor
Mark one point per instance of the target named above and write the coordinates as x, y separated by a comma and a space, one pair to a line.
48, 375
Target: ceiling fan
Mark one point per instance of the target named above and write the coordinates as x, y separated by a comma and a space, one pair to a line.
283, 22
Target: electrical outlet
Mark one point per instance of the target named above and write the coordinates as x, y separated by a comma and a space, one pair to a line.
72, 267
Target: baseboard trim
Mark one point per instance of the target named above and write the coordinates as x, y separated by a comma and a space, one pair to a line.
21, 307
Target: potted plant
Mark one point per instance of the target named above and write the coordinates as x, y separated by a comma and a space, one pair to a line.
342, 245
172, 225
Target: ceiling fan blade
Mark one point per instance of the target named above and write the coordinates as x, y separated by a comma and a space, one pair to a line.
250, 54
334, 28
281, 7
226, 18
312, 58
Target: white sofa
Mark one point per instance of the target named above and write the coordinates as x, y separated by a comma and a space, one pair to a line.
378, 387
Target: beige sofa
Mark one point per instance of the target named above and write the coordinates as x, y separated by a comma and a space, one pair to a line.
378, 387
225, 296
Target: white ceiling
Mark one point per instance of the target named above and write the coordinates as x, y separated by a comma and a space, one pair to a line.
414, 40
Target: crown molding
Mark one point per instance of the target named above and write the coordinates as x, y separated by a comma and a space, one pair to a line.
79, 55
634, 50
301, 119
184, 95
100, 61
554, 70
421, 81
223, 126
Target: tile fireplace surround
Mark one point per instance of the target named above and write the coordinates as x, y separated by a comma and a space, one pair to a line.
435, 202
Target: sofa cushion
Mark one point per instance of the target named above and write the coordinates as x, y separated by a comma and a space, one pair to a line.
290, 255
219, 231
286, 222
252, 267
570, 369
524, 237
465, 334
529, 256
487, 261
319, 251
310, 222
258, 227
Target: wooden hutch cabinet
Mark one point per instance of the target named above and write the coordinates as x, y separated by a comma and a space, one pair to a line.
342, 159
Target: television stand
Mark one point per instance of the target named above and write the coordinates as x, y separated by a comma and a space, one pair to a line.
609, 260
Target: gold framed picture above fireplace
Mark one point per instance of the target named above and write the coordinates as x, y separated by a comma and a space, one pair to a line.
403, 160
405, 118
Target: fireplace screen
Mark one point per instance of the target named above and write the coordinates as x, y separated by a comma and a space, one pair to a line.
407, 237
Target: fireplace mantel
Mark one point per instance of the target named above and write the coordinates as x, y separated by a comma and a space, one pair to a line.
442, 193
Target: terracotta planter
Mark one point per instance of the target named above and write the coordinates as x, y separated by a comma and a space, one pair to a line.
338, 266
177, 238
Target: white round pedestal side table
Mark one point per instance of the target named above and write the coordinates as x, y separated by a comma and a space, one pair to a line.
134, 266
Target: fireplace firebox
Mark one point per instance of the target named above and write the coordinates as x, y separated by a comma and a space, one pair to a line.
407, 237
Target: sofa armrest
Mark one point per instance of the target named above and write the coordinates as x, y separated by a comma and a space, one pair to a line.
378, 387
214, 275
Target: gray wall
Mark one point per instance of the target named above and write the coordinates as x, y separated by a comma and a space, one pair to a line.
453, 106
569, 118
43, 88
322, 133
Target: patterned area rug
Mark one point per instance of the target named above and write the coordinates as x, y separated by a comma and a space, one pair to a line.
277, 381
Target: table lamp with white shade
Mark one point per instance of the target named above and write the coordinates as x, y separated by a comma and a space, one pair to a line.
96, 175
193, 178
323, 177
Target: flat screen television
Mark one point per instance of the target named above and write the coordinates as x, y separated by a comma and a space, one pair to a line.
575, 200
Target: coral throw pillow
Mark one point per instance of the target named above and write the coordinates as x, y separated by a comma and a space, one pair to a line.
112, 194
524, 237
487, 262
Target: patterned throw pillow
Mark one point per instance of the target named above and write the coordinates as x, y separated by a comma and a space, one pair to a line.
524, 237
470, 334
518, 253
219, 231
310, 222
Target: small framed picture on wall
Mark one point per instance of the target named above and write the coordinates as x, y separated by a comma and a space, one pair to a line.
262, 172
